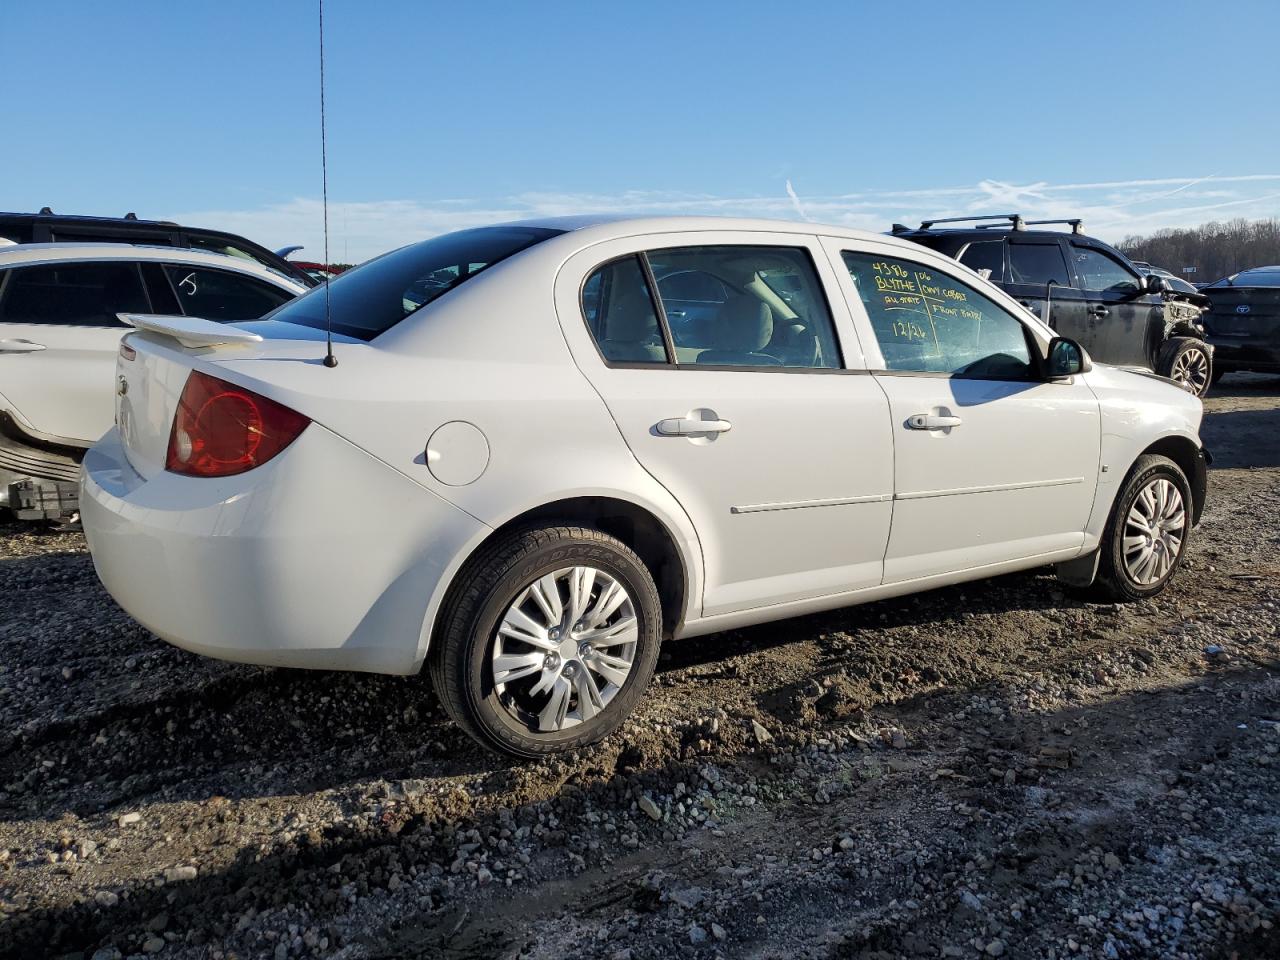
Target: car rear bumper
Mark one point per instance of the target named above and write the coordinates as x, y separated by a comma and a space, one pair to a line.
322, 558
1236, 354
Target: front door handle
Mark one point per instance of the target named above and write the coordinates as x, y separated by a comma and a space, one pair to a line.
691, 426
1098, 311
20, 346
928, 421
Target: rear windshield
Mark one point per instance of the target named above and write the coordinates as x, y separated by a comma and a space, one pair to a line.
1248, 278
377, 295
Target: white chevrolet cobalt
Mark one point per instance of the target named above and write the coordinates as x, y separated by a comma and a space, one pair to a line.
547, 446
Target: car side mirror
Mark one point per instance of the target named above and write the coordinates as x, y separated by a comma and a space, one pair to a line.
1151, 283
1065, 359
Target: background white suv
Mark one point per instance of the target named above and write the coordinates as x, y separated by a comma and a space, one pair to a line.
59, 334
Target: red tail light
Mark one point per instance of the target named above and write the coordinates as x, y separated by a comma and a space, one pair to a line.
221, 429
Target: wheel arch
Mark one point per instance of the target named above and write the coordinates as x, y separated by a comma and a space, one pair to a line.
1190, 458
674, 569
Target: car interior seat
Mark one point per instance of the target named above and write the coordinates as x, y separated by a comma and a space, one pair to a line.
631, 332
743, 326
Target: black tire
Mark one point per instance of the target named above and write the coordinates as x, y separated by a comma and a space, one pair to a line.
460, 661
1114, 582
1187, 351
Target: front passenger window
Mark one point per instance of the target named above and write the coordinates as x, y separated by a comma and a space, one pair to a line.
929, 322
1097, 271
224, 297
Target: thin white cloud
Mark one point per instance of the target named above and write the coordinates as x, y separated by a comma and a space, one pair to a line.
795, 202
1112, 209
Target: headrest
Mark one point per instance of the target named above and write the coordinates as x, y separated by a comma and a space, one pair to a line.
743, 324
630, 318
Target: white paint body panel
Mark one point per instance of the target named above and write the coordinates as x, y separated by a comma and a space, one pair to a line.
265, 567
62, 393
1138, 409
969, 495
817, 497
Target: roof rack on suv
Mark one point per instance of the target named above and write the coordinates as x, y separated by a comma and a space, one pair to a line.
49, 227
131, 216
1077, 225
1013, 221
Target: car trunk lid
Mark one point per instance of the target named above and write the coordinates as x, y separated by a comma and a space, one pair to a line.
1243, 311
155, 361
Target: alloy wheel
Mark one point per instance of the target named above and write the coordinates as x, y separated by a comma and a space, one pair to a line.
1191, 370
564, 648
1154, 531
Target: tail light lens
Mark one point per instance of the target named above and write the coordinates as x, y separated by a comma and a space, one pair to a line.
221, 429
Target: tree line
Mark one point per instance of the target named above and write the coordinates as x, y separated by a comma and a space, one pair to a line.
1214, 249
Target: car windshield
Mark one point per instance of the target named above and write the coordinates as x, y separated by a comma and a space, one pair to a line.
378, 294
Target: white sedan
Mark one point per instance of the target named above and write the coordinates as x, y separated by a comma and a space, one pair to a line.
60, 332
548, 446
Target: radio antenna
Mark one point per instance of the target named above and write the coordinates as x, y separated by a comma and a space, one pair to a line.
329, 359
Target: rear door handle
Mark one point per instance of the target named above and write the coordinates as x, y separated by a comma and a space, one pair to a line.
691, 426
20, 346
927, 421
1098, 311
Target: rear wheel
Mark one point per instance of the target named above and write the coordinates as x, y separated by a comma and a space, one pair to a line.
1147, 533
549, 641
1186, 361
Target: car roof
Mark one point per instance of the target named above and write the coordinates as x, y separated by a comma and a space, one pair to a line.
593, 227
33, 253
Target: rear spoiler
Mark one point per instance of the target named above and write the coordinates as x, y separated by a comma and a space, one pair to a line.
189, 331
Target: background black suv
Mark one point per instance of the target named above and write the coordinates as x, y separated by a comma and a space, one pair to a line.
1084, 289
49, 227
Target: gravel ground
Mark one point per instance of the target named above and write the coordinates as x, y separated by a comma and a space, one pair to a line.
999, 769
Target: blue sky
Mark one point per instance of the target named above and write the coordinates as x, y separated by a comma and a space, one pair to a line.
1136, 115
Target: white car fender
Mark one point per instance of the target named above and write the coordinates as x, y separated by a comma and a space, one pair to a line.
1136, 415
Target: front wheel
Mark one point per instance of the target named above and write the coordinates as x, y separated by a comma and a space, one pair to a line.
1186, 361
549, 641
1147, 532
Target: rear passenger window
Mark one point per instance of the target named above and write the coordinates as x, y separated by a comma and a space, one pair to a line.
221, 296
745, 306
1037, 263
929, 322
985, 255
73, 294
621, 315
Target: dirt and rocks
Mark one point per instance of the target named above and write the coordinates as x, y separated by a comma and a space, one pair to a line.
999, 769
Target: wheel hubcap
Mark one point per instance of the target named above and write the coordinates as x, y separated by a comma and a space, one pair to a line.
1192, 371
564, 648
1153, 532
